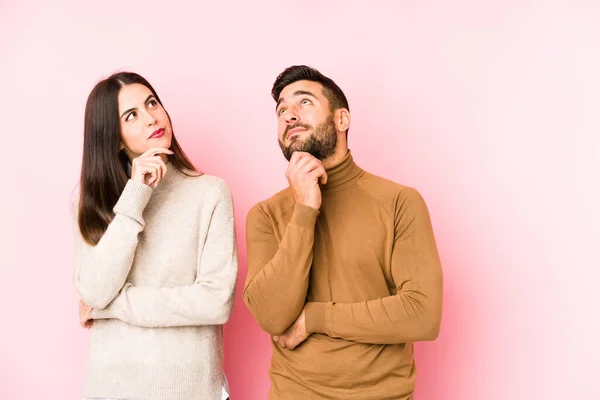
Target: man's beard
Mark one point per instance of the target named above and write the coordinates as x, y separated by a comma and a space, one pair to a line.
320, 144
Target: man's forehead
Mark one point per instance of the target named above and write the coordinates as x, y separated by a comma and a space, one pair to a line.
301, 86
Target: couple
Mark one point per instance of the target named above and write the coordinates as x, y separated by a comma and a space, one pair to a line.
343, 269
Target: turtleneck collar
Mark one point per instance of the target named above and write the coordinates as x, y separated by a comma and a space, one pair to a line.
343, 173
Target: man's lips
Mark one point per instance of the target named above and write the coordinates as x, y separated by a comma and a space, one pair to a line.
295, 130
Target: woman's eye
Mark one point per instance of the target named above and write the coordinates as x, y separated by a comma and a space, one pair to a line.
130, 116
152, 103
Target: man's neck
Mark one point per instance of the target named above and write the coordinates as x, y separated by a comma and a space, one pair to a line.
335, 158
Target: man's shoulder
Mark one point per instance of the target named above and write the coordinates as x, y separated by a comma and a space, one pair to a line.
385, 191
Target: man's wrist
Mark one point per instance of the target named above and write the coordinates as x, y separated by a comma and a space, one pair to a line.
316, 317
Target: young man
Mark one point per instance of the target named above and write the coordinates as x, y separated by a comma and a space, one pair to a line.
343, 270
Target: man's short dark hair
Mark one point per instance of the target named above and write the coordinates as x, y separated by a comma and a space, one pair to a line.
331, 91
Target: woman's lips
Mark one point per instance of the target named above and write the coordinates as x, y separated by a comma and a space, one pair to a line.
157, 134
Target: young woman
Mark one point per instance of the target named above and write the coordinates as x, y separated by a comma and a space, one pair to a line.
156, 258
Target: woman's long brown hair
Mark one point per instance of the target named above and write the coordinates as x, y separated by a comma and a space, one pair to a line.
104, 166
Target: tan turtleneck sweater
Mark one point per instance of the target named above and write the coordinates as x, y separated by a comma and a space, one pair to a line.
367, 270
162, 283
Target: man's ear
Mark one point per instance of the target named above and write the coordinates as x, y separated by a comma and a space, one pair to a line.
342, 119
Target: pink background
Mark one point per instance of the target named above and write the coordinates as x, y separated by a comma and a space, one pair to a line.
489, 108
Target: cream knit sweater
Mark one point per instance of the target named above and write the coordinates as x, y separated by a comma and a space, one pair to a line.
161, 282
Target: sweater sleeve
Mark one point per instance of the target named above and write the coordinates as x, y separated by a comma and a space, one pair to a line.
207, 301
101, 271
278, 271
414, 312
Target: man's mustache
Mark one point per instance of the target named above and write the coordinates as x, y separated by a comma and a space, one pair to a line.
296, 125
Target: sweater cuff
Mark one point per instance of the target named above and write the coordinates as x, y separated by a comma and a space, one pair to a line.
133, 200
315, 315
304, 216
101, 314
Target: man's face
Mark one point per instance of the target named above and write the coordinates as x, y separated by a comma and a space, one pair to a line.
305, 121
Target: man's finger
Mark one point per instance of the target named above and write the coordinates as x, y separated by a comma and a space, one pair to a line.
323, 178
302, 164
318, 173
294, 158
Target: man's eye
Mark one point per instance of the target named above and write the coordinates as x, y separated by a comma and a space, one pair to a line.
305, 102
281, 111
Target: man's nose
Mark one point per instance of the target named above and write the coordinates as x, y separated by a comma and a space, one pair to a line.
290, 116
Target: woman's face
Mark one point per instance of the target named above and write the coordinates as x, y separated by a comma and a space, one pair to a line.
144, 122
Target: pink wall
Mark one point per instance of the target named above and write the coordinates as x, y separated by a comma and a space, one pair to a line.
491, 111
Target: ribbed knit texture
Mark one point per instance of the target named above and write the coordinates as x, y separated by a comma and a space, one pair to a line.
162, 283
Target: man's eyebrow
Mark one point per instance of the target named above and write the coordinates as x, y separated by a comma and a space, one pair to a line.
301, 92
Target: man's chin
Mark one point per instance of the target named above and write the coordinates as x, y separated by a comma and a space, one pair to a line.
288, 151
315, 155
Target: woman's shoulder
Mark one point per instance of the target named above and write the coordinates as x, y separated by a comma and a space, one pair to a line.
206, 184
